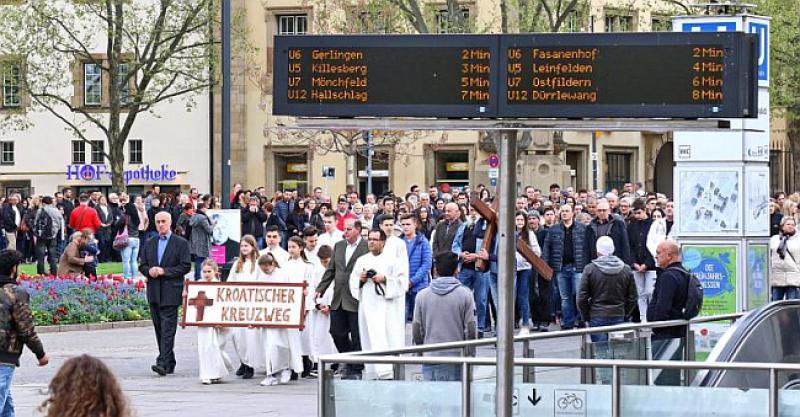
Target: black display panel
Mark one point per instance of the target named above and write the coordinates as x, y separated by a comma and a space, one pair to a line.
424, 76
665, 75
675, 75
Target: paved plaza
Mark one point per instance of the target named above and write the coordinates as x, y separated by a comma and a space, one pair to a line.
130, 352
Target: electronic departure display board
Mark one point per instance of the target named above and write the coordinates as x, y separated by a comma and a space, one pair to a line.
427, 76
592, 75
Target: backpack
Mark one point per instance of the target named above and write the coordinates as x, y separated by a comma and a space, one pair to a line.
43, 225
694, 295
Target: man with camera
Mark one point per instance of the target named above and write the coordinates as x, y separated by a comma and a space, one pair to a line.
379, 284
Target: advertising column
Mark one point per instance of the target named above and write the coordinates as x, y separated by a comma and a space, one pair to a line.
722, 194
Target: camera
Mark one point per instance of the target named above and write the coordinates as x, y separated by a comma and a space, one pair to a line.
371, 273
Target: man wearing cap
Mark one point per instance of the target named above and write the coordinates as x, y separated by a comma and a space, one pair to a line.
607, 293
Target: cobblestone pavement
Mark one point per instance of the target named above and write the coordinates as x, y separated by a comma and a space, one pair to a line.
130, 352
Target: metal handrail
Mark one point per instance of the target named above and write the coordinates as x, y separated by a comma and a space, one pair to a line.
467, 363
549, 335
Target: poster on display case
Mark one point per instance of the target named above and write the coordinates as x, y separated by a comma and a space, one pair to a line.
226, 235
715, 267
708, 201
757, 201
757, 275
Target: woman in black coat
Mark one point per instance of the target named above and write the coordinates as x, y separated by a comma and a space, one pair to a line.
296, 221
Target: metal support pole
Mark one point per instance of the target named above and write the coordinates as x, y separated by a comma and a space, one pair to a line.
594, 160
774, 393
616, 391
399, 371
370, 153
321, 386
466, 389
528, 372
506, 271
226, 104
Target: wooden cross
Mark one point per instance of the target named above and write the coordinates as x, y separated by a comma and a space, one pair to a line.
200, 303
490, 215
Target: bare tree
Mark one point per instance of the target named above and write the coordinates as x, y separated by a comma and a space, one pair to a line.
147, 52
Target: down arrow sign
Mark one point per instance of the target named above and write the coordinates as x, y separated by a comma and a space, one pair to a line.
533, 399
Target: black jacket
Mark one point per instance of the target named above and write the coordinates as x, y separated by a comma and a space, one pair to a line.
7, 220
669, 299
618, 233
607, 289
253, 223
167, 289
637, 237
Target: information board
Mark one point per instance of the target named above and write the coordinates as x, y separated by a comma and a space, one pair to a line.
665, 75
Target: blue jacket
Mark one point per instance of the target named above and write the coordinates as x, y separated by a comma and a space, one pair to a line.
283, 208
553, 248
420, 261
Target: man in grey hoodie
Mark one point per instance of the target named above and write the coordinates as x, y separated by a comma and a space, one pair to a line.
444, 312
607, 293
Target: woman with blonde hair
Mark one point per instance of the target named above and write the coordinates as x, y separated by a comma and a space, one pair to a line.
246, 341
85, 387
784, 274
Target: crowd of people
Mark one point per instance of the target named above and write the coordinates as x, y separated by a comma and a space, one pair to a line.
377, 263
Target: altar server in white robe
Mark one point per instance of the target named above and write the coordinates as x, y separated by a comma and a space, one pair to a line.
301, 270
395, 247
214, 362
311, 239
319, 321
282, 350
273, 245
379, 284
246, 341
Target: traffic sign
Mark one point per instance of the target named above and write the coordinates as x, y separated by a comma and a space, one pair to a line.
494, 160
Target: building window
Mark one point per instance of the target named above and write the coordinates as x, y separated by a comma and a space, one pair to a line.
380, 171
7, 153
661, 24
11, 85
619, 23
452, 167
78, 152
619, 169
92, 84
291, 172
443, 24
97, 152
296, 24
122, 83
135, 151
573, 22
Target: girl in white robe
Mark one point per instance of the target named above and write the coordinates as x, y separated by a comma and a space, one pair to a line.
319, 321
214, 362
281, 351
247, 342
300, 270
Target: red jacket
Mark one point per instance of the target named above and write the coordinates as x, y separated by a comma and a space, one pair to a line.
84, 217
341, 218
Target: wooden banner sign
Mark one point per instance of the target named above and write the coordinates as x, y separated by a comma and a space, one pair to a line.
244, 304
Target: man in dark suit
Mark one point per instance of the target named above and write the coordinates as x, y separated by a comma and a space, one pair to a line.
344, 308
165, 261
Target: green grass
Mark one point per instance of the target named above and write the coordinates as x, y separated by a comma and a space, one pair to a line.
102, 269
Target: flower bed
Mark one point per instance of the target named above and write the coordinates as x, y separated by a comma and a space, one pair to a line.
65, 300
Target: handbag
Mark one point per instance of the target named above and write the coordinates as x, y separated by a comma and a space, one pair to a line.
122, 240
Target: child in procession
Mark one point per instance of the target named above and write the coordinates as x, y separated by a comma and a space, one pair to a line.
248, 342
214, 362
282, 350
299, 269
319, 321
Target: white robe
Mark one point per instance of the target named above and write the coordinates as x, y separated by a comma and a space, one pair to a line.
214, 362
381, 319
248, 343
329, 239
397, 250
299, 271
278, 253
319, 324
281, 346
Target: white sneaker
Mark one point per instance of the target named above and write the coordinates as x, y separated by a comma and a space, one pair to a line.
206, 382
286, 376
524, 330
268, 381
